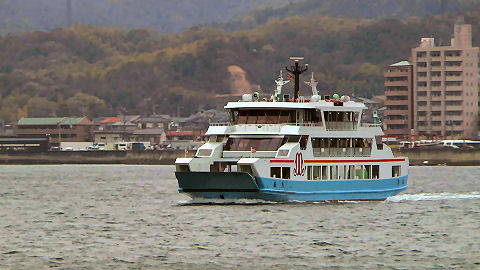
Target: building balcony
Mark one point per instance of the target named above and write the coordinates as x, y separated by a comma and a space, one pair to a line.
422, 69
436, 58
453, 78
389, 92
421, 108
422, 98
453, 88
397, 132
453, 98
396, 74
436, 98
396, 121
453, 58
437, 118
396, 83
396, 102
437, 88
454, 108
453, 68
396, 112
454, 118
421, 118
436, 68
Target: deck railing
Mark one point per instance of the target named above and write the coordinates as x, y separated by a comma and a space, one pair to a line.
342, 152
307, 124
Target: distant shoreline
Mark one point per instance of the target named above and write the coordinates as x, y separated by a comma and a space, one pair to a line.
417, 157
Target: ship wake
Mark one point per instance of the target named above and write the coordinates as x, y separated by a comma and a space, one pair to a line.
434, 197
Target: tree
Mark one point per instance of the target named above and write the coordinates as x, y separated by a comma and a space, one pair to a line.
40, 107
85, 105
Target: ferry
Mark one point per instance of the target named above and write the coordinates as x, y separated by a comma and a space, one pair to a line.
293, 149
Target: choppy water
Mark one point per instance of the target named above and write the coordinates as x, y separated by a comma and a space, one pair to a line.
131, 217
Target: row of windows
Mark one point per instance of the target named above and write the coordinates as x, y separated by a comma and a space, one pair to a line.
290, 116
336, 172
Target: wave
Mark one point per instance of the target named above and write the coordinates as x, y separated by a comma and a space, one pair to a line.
434, 197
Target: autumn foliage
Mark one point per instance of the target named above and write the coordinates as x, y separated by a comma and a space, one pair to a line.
85, 70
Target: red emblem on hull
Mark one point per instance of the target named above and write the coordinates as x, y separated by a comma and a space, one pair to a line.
299, 170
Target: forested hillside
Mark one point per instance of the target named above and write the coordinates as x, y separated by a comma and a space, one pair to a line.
161, 15
352, 9
98, 71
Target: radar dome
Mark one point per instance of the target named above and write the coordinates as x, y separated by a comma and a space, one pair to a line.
345, 99
336, 96
315, 98
247, 97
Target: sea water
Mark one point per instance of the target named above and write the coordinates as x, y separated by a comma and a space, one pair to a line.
132, 217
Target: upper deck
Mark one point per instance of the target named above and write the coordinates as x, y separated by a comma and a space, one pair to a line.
320, 117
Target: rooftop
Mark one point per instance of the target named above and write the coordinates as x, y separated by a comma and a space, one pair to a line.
51, 120
401, 63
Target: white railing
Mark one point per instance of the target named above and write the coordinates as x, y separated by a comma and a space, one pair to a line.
307, 124
342, 152
248, 154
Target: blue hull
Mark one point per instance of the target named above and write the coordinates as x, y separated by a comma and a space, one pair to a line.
238, 185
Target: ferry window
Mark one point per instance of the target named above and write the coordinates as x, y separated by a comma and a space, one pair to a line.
316, 173
272, 117
284, 117
334, 172
242, 117
395, 171
204, 152
259, 144
293, 139
341, 172
252, 117
375, 171
212, 138
359, 172
368, 171
262, 117
324, 172
309, 172
303, 142
351, 172
275, 172
286, 172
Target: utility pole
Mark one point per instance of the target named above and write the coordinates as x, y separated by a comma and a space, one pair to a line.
296, 71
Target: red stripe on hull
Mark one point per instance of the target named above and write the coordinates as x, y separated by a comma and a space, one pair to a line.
281, 161
353, 160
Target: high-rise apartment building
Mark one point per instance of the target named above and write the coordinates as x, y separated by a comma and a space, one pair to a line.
446, 86
398, 117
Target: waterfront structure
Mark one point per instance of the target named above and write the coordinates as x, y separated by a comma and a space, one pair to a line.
446, 86
398, 116
303, 149
58, 129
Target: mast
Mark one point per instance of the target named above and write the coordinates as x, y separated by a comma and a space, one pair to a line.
296, 71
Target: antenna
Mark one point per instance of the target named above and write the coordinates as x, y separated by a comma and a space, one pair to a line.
313, 83
296, 70
280, 82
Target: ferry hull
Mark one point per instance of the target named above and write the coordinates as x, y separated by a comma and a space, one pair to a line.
235, 185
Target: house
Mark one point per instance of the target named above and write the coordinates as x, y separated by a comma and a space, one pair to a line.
184, 139
153, 121
58, 129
